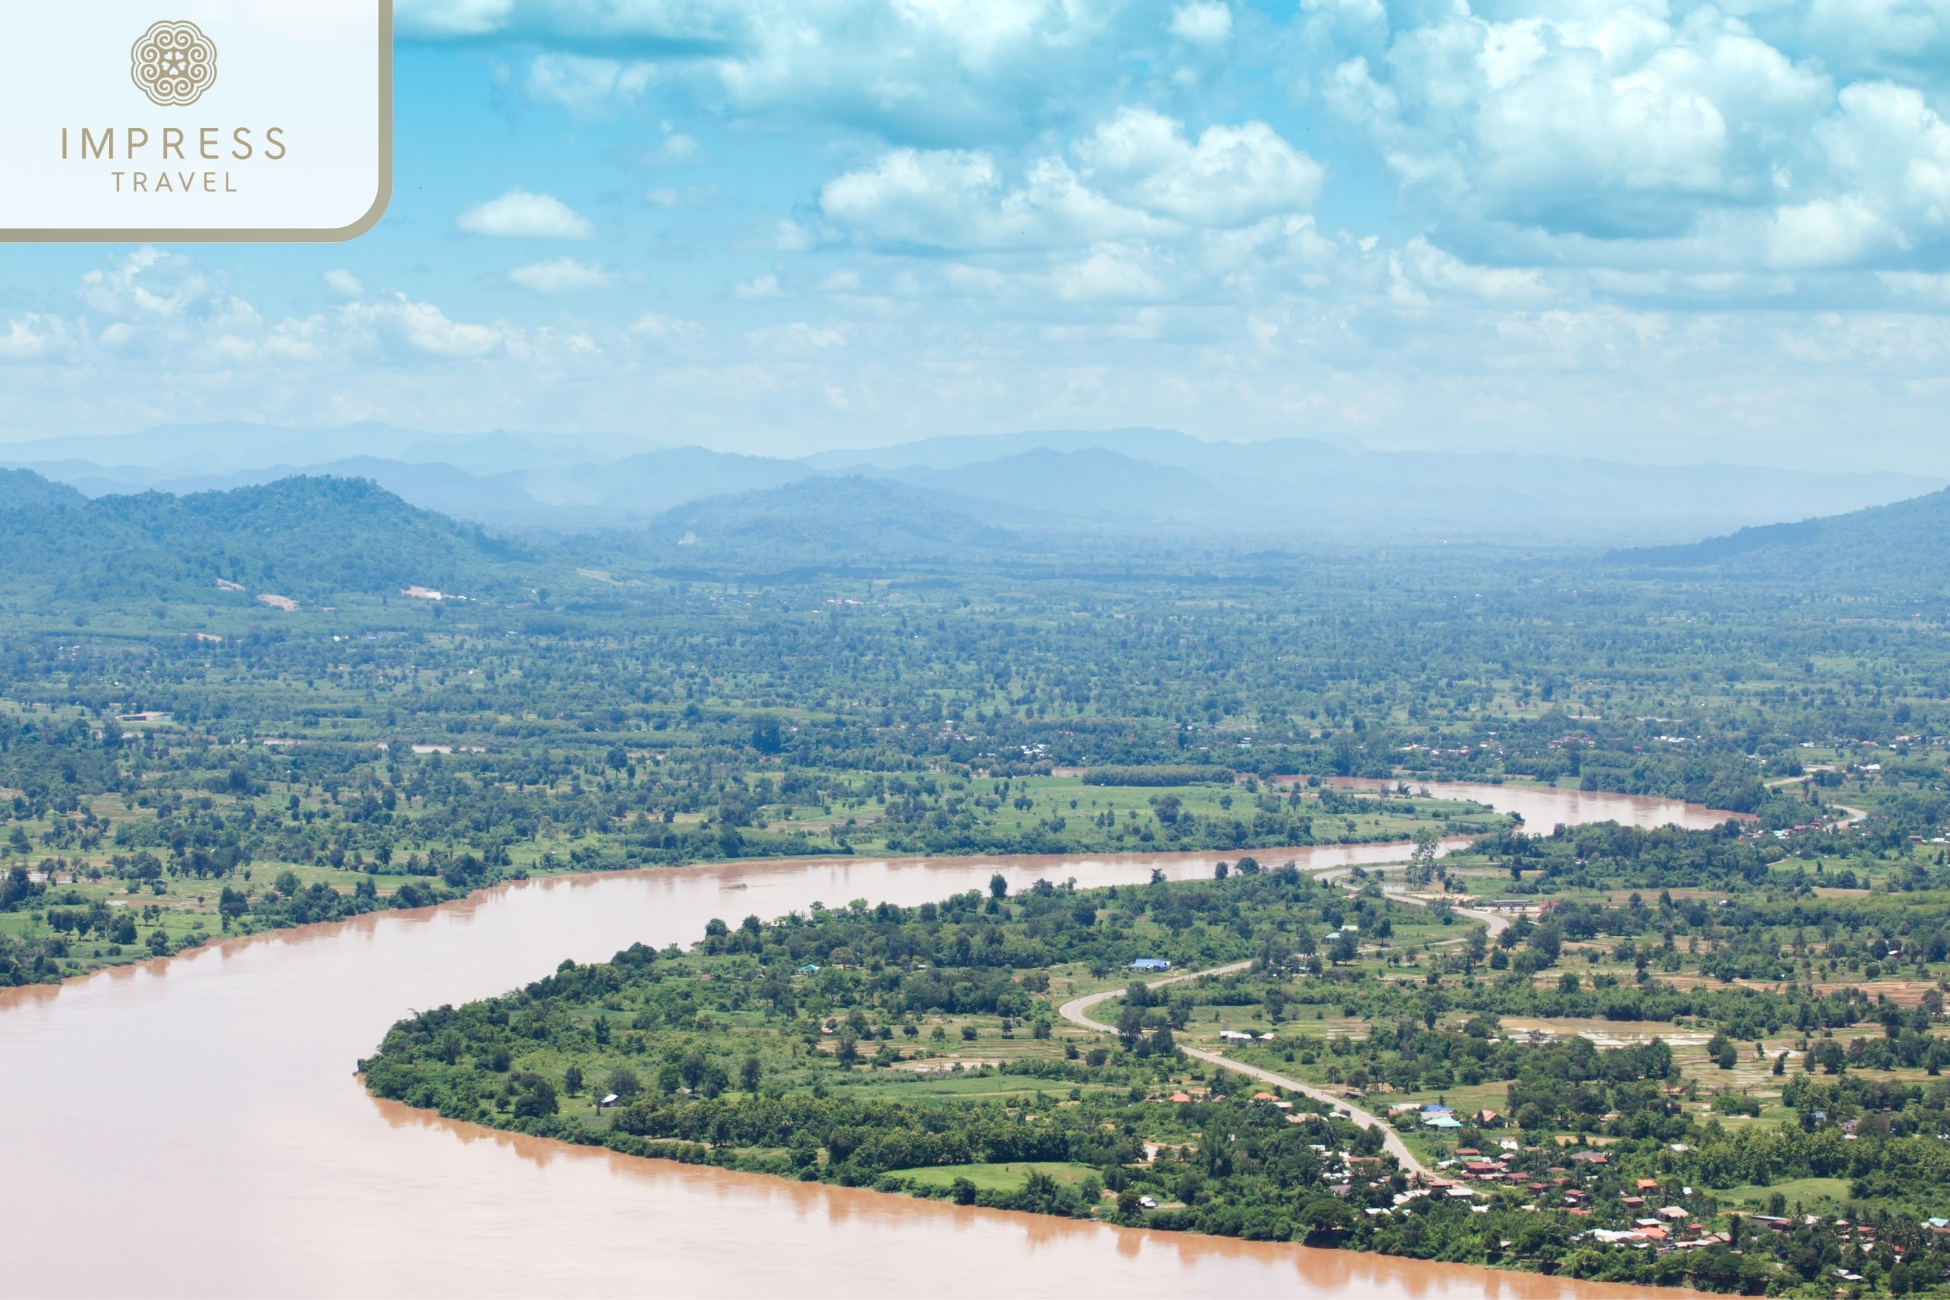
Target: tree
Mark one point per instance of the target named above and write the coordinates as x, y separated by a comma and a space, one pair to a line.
1549, 940
572, 1080
998, 886
536, 1098
1325, 1218
1721, 1051
1130, 1024
1421, 860
748, 1075
624, 1083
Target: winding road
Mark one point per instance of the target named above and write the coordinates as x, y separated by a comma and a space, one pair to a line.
1076, 1012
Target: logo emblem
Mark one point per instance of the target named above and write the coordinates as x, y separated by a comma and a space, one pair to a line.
173, 63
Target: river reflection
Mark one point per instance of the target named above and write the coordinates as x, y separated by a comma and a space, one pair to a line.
192, 1127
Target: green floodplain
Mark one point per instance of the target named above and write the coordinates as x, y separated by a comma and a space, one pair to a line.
1734, 1035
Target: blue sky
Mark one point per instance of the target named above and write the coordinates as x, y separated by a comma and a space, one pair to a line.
1648, 231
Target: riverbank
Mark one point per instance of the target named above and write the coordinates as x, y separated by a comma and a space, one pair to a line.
129, 883
251, 1040
848, 1046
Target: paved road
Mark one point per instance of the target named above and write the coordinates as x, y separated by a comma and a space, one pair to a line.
1075, 1012
1075, 1009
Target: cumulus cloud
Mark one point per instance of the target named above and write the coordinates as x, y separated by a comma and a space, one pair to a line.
423, 329
521, 215
1202, 22
917, 71
1230, 176
563, 275
958, 199
1645, 137
763, 286
1141, 177
34, 337
344, 283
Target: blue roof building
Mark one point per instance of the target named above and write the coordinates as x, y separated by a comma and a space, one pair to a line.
1151, 963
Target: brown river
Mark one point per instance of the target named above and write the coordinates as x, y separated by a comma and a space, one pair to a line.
192, 1126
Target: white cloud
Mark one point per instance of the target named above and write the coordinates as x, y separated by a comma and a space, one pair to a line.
796, 337
34, 337
763, 286
563, 275
521, 215
653, 326
1889, 141
452, 17
1202, 22
913, 196
915, 70
344, 283
676, 149
422, 328
1232, 176
587, 87
1114, 272
1142, 178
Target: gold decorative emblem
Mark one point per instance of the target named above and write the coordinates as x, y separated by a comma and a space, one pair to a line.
173, 63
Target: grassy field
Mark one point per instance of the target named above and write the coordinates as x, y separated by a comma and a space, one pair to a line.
996, 1178
1812, 1194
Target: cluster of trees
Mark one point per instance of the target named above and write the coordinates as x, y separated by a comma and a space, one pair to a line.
745, 1051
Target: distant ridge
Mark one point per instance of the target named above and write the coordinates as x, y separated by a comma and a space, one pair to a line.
1144, 481
304, 538
817, 522
1715, 549
1899, 548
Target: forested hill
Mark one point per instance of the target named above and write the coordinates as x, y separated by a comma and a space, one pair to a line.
1906, 544
23, 487
308, 539
822, 523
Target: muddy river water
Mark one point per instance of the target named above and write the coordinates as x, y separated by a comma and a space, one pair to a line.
193, 1127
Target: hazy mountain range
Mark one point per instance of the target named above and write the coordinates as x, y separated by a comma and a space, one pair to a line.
312, 539
1156, 480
